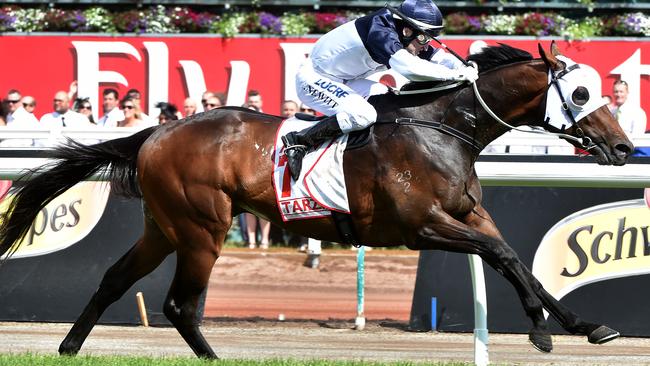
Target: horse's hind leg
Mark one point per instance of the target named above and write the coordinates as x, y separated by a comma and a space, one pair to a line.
199, 243
147, 253
193, 270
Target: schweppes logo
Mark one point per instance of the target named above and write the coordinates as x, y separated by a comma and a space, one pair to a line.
64, 221
599, 243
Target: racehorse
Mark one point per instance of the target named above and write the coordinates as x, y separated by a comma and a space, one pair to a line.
411, 184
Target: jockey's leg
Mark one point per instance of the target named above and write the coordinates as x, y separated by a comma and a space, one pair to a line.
297, 143
347, 109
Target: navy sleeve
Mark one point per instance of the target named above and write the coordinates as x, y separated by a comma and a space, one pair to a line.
379, 35
428, 53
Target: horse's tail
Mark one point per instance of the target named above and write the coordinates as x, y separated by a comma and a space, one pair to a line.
74, 163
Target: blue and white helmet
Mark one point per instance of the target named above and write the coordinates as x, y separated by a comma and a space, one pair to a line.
423, 13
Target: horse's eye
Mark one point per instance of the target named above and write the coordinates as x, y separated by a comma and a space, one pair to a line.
580, 96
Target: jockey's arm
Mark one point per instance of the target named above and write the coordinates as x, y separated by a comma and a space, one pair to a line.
414, 68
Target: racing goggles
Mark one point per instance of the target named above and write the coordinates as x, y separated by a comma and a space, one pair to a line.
423, 39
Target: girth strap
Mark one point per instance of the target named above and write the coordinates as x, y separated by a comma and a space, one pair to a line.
442, 128
345, 228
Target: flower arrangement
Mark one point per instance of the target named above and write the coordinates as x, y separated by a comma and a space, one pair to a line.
633, 24
159, 19
7, 19
536, 24
462, 23
186, 20
325, 22
296, 24
28, 20
65, 21
99, 19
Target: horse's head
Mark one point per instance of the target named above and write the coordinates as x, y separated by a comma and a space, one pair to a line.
574, 105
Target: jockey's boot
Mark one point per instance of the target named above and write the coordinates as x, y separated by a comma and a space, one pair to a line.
297, 143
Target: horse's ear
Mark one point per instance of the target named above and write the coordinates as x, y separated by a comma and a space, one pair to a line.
550, 60
555, 50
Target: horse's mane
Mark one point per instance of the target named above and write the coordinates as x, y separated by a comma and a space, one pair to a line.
494, 56
489, 58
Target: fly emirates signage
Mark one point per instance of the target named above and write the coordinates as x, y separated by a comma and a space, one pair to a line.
172, 68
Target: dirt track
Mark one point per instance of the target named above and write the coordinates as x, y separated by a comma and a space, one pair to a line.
325, 340
264, 284
247, 283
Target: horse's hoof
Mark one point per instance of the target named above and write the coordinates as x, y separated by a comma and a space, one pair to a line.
602, 335
541, 340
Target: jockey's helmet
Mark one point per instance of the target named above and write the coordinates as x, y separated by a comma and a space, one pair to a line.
423, 13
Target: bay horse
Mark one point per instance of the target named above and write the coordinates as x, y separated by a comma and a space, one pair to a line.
410, 185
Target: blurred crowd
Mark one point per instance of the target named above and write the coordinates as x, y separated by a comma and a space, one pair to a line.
70, 110
67, 109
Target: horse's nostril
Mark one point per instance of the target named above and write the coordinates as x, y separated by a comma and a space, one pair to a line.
624, 148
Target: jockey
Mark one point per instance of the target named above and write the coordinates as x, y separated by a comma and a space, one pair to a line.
332, 80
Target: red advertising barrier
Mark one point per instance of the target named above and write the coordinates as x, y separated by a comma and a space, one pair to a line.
172, 68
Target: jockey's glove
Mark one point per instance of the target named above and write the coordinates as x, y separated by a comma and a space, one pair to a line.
468, 73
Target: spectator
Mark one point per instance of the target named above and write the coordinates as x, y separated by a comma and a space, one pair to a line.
136, 96
288, 108
62, 116
212, 102
112, 114
251, 228
631, 117
12, 102
29, 103
16, 113
189, 107
83, 106
249, 222
168, 112
131, 114
255, 99
251, 107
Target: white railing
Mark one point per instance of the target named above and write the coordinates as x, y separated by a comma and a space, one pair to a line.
21, 138
527, 143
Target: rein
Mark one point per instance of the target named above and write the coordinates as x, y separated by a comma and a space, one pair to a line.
584, 141
428, 90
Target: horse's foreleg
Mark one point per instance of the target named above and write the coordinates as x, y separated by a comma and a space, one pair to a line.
510, 266
596, 333
478, 235
144, 257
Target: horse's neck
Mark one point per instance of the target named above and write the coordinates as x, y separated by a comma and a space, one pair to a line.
518, 99
514, 93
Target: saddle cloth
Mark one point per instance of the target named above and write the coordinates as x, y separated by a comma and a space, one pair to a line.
321, 185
